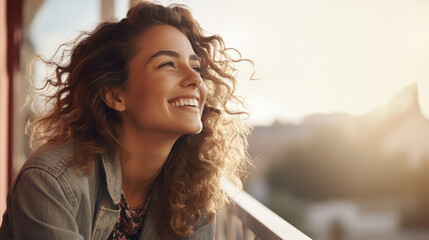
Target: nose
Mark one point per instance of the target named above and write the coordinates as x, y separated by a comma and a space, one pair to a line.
191, 78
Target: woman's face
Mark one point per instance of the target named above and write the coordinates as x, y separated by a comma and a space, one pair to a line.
165, 92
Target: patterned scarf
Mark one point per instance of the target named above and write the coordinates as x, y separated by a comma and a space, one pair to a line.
130, 222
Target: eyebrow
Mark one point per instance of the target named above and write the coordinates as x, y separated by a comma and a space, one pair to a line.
172, 54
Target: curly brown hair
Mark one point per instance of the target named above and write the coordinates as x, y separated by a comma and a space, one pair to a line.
191, 177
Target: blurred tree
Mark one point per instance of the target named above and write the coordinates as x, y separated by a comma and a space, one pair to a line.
288, 207
337, 231
416, 210
334, 166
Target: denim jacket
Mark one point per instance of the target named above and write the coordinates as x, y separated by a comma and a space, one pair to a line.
50, 200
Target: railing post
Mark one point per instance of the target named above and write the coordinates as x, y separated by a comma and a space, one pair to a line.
220, 225
230, 226
248, 234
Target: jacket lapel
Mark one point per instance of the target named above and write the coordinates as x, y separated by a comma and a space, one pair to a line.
149, 231
112, 168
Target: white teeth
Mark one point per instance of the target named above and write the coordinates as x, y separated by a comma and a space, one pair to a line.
185, 102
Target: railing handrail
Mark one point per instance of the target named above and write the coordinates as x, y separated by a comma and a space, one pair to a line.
258, 218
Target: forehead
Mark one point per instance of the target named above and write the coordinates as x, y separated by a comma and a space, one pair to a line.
163, 37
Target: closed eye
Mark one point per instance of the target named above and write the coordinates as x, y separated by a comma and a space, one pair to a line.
167, 64
197, 69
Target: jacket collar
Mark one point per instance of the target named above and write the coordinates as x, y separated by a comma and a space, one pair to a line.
113, 173
112, 169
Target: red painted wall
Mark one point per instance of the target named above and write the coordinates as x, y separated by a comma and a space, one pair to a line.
4, 109
10, 40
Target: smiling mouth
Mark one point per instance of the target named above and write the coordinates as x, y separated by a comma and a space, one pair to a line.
185, 102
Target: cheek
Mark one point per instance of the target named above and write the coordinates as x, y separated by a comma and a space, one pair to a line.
137, 96
203, 93
148, 96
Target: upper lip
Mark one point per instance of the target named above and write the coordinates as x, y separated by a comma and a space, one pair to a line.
192, 96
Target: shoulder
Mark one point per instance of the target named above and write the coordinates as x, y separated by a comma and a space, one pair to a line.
50, 168
205, 229
49, 198
54, 160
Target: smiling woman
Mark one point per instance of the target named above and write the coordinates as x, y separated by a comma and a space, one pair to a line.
138, 138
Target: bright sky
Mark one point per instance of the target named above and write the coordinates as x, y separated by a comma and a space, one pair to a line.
311, 56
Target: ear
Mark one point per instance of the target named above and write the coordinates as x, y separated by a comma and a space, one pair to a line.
114, 98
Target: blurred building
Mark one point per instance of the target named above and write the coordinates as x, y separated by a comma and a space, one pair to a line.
352, 219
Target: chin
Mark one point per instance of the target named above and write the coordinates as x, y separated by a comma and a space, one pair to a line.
197, 128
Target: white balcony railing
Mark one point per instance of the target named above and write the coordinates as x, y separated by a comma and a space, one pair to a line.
248, 219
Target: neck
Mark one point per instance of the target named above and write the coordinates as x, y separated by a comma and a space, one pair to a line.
142, 159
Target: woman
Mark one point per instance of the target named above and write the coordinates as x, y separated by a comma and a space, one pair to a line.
138, 137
